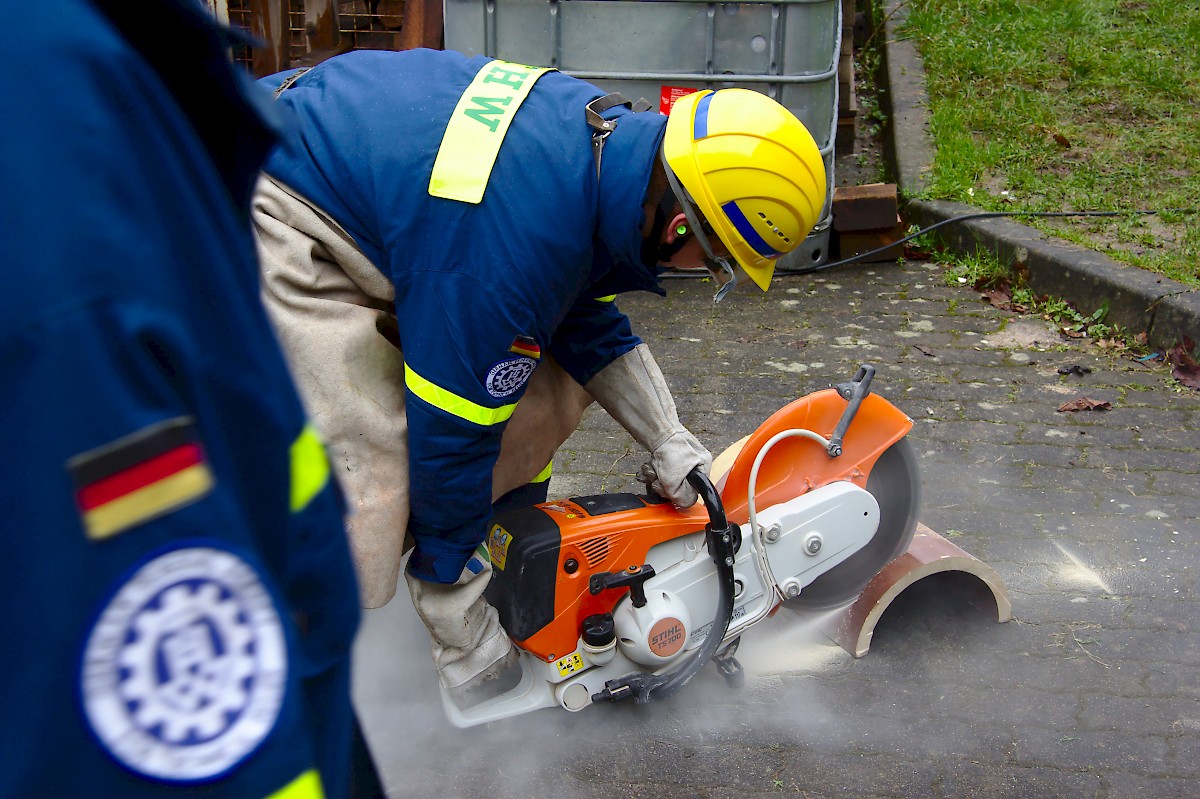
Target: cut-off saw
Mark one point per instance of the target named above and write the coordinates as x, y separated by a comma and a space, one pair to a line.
623, 596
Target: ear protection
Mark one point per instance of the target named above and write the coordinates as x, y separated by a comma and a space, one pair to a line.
667, 251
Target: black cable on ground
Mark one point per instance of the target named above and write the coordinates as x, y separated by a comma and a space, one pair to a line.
779, 272
980, 215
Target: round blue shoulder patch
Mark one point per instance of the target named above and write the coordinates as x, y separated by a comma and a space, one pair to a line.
508, 376
185, 670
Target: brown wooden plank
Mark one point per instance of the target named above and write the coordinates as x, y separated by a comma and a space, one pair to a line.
269, 22
422, 25
321, 25
869, 207
858, 242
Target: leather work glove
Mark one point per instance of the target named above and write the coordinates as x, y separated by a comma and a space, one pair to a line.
632, 389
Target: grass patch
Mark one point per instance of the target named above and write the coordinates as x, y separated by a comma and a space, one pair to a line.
1005, 288
1071, 105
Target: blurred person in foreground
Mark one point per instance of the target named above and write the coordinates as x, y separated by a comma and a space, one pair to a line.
179, 601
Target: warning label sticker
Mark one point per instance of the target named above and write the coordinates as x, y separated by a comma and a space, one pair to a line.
667, 95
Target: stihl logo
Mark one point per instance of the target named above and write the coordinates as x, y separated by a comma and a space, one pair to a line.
667, 637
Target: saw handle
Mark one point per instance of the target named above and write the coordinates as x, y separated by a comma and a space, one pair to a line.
722, 538
854, 392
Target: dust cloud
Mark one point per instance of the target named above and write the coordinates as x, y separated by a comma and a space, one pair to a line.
576, 754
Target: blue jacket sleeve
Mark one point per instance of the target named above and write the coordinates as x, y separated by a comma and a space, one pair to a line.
157, 501
469, 351
594, 334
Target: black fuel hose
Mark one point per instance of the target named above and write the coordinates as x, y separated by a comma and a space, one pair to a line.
721, 538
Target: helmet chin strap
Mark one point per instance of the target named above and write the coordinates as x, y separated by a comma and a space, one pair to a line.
724, 275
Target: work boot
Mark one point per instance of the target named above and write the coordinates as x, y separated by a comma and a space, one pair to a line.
469, 646
495, 681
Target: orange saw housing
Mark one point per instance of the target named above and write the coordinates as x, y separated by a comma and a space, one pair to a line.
544, 555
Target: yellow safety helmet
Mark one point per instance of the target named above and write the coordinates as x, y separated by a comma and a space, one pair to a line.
752, 170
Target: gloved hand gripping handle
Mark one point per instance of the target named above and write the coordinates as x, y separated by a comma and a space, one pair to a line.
722, 538
634, 392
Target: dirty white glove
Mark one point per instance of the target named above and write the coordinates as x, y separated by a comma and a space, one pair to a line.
632, 389
469, 645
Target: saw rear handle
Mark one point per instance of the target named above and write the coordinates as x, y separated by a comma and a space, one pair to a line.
722, 538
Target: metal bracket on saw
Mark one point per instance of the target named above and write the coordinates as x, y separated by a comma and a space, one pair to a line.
929, 553
853, 392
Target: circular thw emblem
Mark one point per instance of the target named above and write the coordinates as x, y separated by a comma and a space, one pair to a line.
185, 671
508, 376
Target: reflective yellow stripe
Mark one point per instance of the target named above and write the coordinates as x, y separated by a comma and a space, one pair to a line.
544, 474
609, 298
310, 468
306, 786
477, 127
450, 402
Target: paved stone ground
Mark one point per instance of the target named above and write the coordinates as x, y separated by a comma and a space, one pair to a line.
1090, 518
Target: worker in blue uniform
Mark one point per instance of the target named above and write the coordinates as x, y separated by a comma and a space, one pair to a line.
179, 599
442, 239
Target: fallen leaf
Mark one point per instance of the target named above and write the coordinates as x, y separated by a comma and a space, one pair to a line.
998, 298
925, 351
1183, 366
998, 295
987, 283
917, 252
1085, 404
1062, 141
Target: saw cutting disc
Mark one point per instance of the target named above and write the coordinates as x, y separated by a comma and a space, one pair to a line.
896, 485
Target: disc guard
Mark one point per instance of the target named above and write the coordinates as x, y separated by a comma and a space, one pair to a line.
895, 483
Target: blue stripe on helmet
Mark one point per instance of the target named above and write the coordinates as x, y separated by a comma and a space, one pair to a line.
748, 232
700, 126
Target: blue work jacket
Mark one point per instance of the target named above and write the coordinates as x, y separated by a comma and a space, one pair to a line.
483, 290
177, 592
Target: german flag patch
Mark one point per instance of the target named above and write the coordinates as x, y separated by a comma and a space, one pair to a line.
524, 345
140, 477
